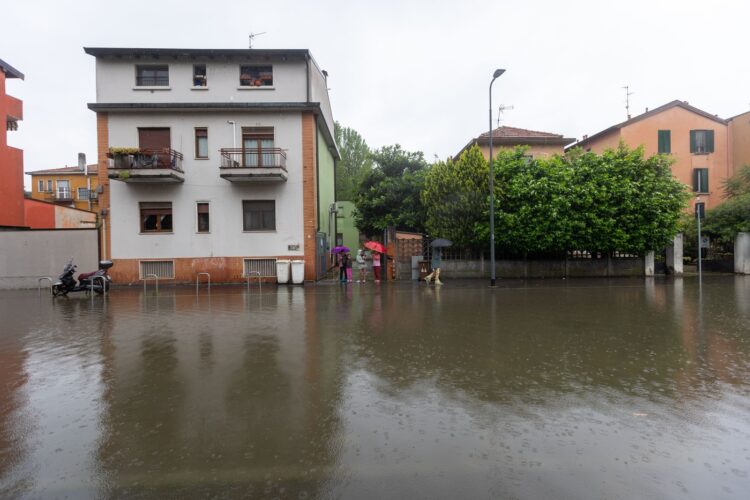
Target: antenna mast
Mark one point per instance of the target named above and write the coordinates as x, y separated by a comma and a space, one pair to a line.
500, 111
627, 100
251, 37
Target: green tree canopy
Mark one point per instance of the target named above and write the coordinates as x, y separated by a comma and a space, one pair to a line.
389, 194
456, 198
354, 164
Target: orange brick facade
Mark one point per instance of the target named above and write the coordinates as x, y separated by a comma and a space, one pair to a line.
309, 193
102, 144
11, 163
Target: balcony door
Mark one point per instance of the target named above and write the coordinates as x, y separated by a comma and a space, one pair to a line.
155, 141
257, 147
63, 190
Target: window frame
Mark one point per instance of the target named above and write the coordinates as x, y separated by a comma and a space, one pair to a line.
697, 177
245, 212
40, 185
197, 147
708, 139
155, 211
664, 142
88, 194
252, 79
49, 186
139, 77
197, 78
198, 217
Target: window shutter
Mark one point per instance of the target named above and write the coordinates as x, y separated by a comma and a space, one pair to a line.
704, 183
696, 173
709, 142
692, 141
665, 141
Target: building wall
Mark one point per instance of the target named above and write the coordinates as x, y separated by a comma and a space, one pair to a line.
11, 163
604, 142
75, 180
25, 255
346, 226
739, 139
115, 83
681, 121
535, 150
326, 189
44, 215
203, 183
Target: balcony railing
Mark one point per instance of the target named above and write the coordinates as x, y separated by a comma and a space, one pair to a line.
252, 158
62, 194
147, 158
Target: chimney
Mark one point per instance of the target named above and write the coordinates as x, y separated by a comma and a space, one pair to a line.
646, 109
586, 136
82, 163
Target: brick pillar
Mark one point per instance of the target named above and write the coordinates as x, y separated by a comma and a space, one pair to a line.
309, 194
102, 144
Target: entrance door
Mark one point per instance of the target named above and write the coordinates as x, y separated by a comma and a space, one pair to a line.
156, 141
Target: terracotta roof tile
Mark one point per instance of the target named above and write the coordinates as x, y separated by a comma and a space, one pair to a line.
517, 132
65, 170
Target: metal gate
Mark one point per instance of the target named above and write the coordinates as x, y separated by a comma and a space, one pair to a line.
321, 255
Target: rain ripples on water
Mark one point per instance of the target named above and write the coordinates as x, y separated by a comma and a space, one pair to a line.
539, 389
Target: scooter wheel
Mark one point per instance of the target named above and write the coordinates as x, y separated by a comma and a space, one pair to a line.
57, 290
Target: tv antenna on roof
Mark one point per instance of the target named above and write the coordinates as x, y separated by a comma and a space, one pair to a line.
502, 108
628, 93
251, 37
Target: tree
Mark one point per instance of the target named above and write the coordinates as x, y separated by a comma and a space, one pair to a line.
354, 164
456, 198
389, 194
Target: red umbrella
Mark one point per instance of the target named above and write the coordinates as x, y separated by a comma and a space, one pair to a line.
375, 246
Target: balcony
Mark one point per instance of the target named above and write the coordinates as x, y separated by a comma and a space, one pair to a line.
156, 166
60, 195
253, 165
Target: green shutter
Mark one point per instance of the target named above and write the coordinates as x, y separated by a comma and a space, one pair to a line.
709, 143
692, 141
665, 142
696, 173
704, 171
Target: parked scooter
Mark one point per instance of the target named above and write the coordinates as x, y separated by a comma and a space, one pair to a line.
66, 283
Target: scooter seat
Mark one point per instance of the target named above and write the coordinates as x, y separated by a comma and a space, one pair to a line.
84, 276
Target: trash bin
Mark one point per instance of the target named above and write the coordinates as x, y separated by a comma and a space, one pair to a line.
298, 272
282, 271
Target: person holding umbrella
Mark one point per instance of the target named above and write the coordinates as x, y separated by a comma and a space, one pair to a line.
437, 246
378, 250
341, 252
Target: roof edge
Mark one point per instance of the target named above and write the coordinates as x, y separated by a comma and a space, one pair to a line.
10, 71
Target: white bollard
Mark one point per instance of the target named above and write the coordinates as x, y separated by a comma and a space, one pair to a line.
742, 253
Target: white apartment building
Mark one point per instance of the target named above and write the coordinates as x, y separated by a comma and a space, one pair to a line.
218, 161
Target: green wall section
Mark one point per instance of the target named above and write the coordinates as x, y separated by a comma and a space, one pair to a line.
346, 225
326, 189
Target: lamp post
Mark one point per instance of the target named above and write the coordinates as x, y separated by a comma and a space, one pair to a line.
495, 76
699, 211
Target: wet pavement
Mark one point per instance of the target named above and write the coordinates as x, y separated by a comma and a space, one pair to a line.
538, 389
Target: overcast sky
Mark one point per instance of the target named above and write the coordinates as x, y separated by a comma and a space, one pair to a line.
414, 73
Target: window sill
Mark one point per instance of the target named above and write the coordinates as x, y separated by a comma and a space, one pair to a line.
199, 88
701, 193
247, 87
157, 233
203, 232
152, 87
260, 231
201, 158
701, 154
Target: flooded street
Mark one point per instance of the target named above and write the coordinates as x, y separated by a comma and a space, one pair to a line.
539, 389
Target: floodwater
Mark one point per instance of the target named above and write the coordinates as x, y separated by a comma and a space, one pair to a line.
539, 389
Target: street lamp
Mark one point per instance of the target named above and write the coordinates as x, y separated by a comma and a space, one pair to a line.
495, 75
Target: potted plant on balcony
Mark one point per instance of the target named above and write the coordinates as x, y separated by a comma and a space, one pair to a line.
123, 157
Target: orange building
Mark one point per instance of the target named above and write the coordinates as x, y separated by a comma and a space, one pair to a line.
540, 144
739, 140
697, 140
74, 187
11, 159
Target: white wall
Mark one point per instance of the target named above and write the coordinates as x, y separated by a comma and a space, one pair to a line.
115, 83
27, 255
319, 93
203, 183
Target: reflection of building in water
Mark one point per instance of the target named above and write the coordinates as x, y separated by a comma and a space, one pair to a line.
13, 378
227, 391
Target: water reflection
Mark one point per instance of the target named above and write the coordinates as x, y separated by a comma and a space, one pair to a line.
622, 388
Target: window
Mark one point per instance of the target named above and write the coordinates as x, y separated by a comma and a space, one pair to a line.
256, 76
701, 141
49, 185
63, 190
152, 75
257, 147
203, 220
201, 143
83, 194
156, 217
41, 186
199, 75
259, 215
700, 180
665, 142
